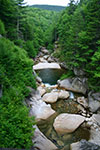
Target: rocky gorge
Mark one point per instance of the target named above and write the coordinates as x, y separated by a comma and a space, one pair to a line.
75, 120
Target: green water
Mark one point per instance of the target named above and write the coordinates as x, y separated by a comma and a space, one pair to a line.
63, 141
51, 75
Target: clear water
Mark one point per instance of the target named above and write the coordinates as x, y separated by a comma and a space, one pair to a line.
51, 75
63, 141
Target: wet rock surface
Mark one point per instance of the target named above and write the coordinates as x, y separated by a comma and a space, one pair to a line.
41, 142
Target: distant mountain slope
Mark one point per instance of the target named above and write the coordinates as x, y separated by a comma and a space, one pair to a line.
49, 7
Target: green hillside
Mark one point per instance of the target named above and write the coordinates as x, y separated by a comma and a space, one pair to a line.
50, 7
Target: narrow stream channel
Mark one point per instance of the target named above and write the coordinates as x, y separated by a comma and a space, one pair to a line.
61, 106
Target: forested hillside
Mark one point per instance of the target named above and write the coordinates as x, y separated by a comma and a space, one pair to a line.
49, 7
23, 30
79, 39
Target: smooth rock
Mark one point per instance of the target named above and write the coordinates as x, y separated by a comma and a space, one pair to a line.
94, 101
96, 118
50, 97
84, 145
63, 94
94, 136
75, 85
75, 146
83, 101
41, 90
46, 66
41, 142
67, 123
41, 110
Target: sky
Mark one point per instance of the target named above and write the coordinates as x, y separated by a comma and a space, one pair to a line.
49, 2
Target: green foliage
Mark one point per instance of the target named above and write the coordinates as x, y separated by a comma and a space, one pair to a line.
69, 74
29, 47
79, 35
15, 126
2, 28
28, 28
15, 76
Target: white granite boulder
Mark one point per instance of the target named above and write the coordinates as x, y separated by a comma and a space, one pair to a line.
41, 110
75, 85
67, 123
50, 97
63, 94
46, 66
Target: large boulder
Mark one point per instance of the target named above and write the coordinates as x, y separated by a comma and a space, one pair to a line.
84, 145
40, 110
55, 95
46, 66
50, 97
63, 94
41, 142
75, 146
95, 129
67, 123
94, 135
75, 85
94, 101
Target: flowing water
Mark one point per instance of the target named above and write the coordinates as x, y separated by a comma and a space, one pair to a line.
62, 106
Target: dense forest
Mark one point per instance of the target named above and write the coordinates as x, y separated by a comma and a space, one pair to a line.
23, 30
49, 7
79, 39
